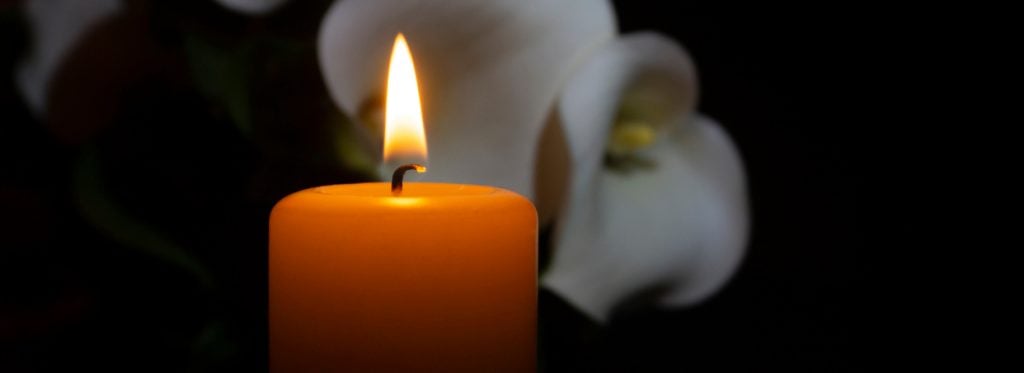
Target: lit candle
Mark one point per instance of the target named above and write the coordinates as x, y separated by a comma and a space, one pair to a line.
410, 277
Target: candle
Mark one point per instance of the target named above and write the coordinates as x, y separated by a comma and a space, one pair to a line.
409, 277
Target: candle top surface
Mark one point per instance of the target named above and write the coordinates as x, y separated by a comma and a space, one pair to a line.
410, 189
423, 197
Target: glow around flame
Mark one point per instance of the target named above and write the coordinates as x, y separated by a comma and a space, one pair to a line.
404, 138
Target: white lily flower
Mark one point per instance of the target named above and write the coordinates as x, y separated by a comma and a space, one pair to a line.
671, 220
56, 25
491, 73
251, 7
488, 72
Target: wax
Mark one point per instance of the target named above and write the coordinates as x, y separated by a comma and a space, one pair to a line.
441, 278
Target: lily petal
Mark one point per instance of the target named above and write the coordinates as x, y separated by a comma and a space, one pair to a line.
646, 69
251, 7
56, 26
676, 231
488, 71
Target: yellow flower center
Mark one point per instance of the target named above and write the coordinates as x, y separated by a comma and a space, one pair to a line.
630, 136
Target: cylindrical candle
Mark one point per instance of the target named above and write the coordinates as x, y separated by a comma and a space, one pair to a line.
441, 278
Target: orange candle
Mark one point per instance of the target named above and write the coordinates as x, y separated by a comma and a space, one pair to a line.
427, 277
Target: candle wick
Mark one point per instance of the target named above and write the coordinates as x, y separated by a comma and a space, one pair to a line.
396, 178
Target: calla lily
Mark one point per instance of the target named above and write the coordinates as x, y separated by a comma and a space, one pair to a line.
56, 26
656, 204
488, 71
252, 7
656, 199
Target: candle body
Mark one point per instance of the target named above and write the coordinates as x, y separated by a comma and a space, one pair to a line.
440, 279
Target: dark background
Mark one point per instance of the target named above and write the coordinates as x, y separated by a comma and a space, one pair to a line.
174, 279
787, 85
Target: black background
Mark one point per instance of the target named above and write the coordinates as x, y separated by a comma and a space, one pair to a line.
786, 83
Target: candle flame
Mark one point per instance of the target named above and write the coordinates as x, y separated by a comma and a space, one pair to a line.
404, 138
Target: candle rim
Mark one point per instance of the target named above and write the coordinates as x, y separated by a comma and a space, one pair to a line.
411, 190
423, 198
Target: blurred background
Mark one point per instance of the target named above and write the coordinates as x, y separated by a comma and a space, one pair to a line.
133, 219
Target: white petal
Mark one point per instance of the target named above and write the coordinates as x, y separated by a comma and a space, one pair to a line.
725, 218
56, 26
644, 67
488, 71
252, 7
679, 229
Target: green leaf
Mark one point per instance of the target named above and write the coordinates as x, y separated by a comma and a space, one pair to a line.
222, 76
107, 217
351, 153
211, 346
